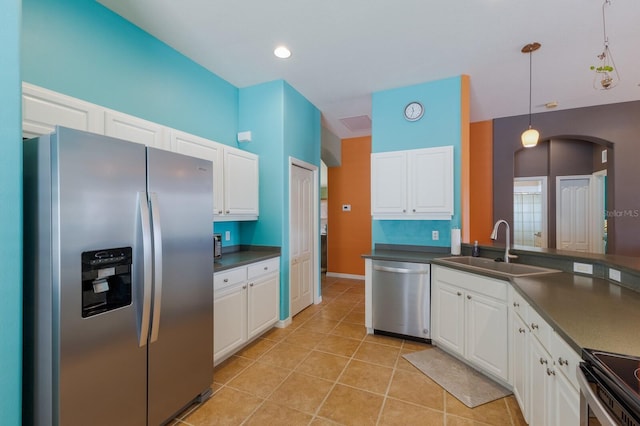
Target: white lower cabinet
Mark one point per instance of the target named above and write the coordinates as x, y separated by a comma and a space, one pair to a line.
246, 304
519, 359
478, 318
543, 369
469, 318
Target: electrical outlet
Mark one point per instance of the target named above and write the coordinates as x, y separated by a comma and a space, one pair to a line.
227, 235
583, 268
435, 235
614, 274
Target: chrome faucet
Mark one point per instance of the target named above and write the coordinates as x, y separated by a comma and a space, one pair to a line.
494, 236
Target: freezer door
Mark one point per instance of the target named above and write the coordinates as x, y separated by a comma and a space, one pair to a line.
99, 366
181, 340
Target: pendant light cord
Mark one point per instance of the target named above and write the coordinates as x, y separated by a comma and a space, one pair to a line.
604, 23
530, 51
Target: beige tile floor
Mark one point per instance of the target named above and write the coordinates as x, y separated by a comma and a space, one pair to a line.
325, 370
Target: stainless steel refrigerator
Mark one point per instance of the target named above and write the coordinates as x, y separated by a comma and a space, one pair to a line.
118, 281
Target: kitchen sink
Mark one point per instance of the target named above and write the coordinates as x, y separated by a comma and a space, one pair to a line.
507, 269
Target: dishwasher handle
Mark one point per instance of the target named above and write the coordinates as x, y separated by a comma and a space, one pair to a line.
400, 270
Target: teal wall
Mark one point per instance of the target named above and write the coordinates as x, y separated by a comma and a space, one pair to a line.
440, 126
282, 123
10, 216
84, 50
234, 232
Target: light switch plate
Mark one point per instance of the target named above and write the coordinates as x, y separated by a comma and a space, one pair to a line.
346, 207
227, 235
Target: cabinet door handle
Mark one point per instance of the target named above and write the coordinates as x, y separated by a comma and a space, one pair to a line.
251, 284
227, 211
266, 268
244, 287
521, 330
563, 361
550, 372
459, 294
226, 280
219, 211
404, 210
516, 304
414, 210
543, 361
534, 326
469, 296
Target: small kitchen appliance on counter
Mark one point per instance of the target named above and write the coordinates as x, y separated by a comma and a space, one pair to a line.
217, 246
609, 388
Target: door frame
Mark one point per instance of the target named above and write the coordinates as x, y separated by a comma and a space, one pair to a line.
597, 211
317, 297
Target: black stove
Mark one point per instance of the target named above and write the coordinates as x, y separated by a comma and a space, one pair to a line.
615, 379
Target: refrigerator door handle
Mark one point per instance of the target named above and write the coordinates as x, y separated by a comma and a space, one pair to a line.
147, 269
157, 264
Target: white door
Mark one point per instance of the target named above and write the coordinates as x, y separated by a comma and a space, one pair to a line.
301, 239
573, 225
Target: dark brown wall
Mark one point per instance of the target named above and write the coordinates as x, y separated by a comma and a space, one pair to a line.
553, 158
615, 124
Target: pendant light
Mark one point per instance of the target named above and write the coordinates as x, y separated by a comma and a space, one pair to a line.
530, 136
606, 72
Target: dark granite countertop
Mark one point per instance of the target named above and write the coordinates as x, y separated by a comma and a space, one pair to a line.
587, 311
244, 255
416, 254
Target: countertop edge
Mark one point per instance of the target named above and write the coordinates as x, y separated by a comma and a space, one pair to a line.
244, 257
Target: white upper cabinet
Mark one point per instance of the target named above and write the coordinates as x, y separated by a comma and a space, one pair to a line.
134, 129
389, 183
43, 109
412, 185
195, 146
241, 183
235, 175
431, 181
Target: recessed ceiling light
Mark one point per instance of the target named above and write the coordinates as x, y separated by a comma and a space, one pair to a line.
282, 52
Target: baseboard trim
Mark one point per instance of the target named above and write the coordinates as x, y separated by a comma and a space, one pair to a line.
348, 276
283, 323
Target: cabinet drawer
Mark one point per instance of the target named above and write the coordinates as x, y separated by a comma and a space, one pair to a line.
565, 357
486, 286
539, 328
229, 278
518, 305
261, 268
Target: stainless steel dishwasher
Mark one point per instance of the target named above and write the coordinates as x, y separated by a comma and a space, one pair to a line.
401, 299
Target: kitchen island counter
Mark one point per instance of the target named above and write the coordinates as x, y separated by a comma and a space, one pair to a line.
588, 312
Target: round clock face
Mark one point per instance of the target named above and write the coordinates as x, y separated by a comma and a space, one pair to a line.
413, 111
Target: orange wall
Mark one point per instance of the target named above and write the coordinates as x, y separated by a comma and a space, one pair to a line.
480, 182
349, 233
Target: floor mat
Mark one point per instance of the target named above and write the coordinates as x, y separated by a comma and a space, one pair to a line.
466, 384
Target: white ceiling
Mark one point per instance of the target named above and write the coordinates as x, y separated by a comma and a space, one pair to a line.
344, 50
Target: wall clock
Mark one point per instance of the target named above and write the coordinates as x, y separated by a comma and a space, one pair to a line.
413, 111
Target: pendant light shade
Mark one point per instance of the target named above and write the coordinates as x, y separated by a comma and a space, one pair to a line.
530, 136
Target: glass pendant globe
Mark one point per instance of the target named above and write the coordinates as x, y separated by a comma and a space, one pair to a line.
530, 138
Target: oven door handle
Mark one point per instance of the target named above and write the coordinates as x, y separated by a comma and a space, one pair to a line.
589, 400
